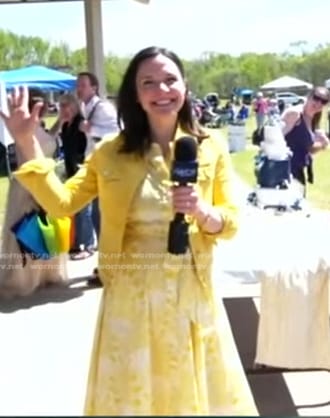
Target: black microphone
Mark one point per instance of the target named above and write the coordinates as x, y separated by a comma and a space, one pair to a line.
184, 170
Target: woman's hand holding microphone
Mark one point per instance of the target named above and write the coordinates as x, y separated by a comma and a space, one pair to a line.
187, 200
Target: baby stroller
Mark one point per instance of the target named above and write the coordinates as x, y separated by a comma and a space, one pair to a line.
275, 187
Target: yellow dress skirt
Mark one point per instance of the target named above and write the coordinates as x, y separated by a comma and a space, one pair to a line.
160, 348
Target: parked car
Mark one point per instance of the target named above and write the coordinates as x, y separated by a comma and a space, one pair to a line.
289, 98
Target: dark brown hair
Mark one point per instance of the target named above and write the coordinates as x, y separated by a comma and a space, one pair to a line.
322, 93
94, 82
131, 115
316, 120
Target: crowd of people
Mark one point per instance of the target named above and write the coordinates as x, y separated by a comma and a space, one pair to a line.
83, 119
267, 109
210, 113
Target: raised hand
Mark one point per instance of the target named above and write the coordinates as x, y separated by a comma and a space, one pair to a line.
20, 123
85, 126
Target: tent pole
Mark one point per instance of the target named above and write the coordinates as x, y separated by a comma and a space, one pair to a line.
94, 40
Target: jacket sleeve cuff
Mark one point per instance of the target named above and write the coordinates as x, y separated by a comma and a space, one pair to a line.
26, 173
39, 166
229, 225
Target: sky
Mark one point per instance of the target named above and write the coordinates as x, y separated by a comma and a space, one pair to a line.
188, 27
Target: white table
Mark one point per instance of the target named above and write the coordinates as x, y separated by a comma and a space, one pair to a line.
290, 255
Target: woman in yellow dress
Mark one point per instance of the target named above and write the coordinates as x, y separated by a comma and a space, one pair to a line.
163, 344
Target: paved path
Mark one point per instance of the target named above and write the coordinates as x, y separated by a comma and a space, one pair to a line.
45, 347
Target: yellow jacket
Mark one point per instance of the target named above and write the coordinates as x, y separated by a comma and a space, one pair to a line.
114, 178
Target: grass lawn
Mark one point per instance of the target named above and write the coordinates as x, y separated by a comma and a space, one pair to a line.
244, 165
3, 197
50, 120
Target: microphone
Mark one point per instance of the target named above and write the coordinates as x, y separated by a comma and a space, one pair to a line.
184, 170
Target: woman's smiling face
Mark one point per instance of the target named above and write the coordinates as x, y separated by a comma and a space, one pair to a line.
160, 87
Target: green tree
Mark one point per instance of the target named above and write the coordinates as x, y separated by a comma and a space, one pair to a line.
210, 72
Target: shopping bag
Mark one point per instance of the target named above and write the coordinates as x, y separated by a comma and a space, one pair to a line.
29, 236
49, 234
72, 232
62, 228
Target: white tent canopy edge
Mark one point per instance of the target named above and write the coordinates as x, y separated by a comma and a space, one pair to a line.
286, 82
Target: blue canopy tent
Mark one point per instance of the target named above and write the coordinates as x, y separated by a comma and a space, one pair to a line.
246, 92
37, 76
242, 91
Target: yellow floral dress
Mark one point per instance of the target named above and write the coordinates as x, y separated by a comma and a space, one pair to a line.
158, 347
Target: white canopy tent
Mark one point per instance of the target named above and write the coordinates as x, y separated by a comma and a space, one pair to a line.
5, 137
286, 82
94, 33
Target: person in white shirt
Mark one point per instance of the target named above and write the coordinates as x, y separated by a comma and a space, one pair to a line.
100, 115
100, 119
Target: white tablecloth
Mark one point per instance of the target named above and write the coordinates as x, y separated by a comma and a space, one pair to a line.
290, 255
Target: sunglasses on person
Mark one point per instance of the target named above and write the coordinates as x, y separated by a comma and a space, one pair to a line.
317, 98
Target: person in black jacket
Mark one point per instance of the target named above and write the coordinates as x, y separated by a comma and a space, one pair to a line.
74, 143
